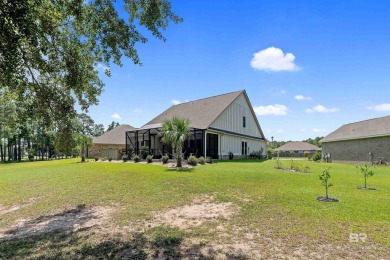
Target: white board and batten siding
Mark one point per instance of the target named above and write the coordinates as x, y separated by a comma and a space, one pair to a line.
230, 143
232, 120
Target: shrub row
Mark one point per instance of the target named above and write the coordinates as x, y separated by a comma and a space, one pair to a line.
192, 160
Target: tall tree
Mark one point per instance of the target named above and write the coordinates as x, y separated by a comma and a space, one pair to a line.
315, 141
83, 127
112, 126
98, 130
50, 49
175, 132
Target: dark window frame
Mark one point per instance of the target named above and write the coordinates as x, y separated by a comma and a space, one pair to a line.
244, 148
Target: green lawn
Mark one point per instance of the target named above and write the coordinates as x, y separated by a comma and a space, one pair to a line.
273, 205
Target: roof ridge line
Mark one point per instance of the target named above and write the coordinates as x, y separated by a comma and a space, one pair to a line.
210, 97
366, 120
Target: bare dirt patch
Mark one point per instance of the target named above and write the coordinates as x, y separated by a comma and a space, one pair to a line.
9, 209
195, 214
73, 219
259, 245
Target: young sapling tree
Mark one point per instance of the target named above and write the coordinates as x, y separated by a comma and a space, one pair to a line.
367, 172
324, 178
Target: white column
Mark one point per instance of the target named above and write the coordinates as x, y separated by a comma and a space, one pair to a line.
205, 143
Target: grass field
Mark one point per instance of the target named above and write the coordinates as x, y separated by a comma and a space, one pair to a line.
67, 209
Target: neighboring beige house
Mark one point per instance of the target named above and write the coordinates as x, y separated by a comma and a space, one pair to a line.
364, 141
220, 125
110, 144
297, 149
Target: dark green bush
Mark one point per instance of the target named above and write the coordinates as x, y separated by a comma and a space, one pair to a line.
136, 158
164, 159
256, 154
144, 151
149, 158
201, 160
192, 160
316, 157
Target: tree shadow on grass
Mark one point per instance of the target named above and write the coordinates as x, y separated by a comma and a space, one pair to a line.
179, 169
78, 217
74, 245
163, 243
242, 161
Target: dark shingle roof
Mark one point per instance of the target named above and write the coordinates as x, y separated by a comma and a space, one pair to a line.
201, 113
114, 136
298, 146
364, 129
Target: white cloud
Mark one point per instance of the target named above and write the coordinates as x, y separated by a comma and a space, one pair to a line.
282, 92
276, 110
273, 59
381, 107
116, 116
280, 131
101, 67
321, 109
137, 110
302, 97
303, 129
177, 102
317, 130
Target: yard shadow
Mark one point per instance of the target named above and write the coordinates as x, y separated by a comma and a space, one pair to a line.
242, 161
179, 170
86, 244
78, 217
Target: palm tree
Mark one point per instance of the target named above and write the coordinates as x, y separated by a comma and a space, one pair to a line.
175, 132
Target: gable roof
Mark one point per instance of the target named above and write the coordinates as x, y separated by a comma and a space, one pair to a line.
375, 127
298, 146
201, 112
114, 136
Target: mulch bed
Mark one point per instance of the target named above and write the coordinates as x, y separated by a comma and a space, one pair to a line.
172, 166
327, 199
290, 170
364, 188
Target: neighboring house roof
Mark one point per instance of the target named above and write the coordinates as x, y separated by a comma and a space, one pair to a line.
298, 146
201, 112
376, 127
114, 136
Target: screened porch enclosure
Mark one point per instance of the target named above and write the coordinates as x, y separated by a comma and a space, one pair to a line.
148, 140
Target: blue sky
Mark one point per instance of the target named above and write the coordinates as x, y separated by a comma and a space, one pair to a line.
307, 66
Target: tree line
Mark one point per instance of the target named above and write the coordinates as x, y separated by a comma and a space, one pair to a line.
24, 137
50, 52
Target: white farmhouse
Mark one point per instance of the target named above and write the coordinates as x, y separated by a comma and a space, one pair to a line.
220, 125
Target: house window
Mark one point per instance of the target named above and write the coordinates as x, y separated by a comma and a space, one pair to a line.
244, 148
244, 121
